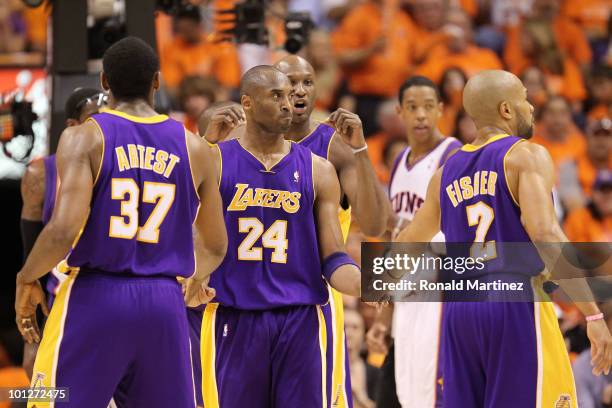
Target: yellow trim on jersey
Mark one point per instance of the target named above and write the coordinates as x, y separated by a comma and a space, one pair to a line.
344, 216
101, 158
210, 393
338, 388
330, 144
45, 365
220, 163
323, 349
195, 188
311, 132
473, 148
506, 173
262, 163
138, 119
555, 384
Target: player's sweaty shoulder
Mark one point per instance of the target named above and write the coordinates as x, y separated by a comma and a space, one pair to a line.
527, 158
82, 142
323, 174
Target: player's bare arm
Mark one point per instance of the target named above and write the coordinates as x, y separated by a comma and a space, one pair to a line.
78, 158
530, 173
341, 272
210, 241
356, 174
33, 196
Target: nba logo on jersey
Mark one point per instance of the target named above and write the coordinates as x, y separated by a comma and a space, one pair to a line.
225, 330
296, 176
564, 401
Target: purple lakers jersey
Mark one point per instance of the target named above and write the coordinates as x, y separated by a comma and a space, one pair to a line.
144, 200
319, 140
50, 188
477, 207
272, 257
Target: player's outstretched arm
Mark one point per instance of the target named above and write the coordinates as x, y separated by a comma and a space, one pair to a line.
530, 172
356, 173
338, 268
33, 197
78, 157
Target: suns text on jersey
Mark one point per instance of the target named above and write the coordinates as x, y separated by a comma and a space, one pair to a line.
480, 183
147, 158
246, 196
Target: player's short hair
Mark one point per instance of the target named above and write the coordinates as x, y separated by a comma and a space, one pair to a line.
76, 101
130, 65
254, 76
417, 80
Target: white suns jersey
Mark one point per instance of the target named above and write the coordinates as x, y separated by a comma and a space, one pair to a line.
416, 324
408, 185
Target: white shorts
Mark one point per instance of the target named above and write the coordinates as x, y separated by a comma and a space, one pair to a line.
416, 331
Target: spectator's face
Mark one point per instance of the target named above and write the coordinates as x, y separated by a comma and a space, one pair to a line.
420, 110
602, 198
319, 49
453, 87
390, 122
467, 129
533, 79
461, 30
557, 117
355, 330
600, 145
429, 13
195, 105
601, 88
189, 30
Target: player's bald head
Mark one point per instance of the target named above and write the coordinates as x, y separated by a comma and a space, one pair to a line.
260, 77
497, 98
292, 63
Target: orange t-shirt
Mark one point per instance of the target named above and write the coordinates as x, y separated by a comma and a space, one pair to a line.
581, 226
383, 72
376, 147
446, 124
471, 61
179, 59
12, 377
572, 148
591, 15
427, 41
570, 39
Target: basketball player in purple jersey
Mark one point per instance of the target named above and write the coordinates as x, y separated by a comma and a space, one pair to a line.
264, 342
358, 182
38, 188
133, 183
504, 354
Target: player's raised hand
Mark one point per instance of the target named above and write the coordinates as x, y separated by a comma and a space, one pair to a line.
27, 298
349, 127
223, 121
601, 346
197, 292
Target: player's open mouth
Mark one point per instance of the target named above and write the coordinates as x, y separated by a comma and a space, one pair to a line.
299, 106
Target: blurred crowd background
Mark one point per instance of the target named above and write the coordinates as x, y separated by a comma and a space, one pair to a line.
362, 51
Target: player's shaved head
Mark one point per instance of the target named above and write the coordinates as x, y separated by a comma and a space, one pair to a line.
498, 99
259, 77
293, 62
